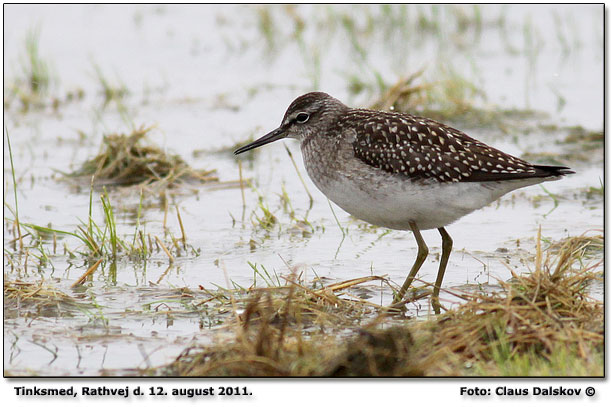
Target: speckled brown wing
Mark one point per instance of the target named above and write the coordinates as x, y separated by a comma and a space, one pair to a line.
421, 148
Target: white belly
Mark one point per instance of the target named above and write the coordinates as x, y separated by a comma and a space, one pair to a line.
394, 202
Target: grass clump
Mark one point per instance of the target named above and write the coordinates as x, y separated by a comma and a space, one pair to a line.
110, 91
586, 246
573, 144
585, 139
98, 242
36, 68
539, 323
33, 84
37, 299
530, 319
104, 242
125, 159
35, 87
450, 97
278, 332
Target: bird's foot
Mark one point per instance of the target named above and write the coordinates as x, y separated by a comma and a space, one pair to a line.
397, 307
436, 305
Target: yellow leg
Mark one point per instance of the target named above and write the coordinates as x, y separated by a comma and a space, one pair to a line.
422, 253
447, 245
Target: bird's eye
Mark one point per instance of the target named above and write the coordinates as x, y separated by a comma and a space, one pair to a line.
302, 117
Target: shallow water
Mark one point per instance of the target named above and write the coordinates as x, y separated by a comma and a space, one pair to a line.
208, 78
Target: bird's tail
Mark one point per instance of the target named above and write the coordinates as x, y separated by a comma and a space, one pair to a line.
552, 170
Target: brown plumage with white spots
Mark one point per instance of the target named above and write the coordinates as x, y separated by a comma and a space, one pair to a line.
421, 148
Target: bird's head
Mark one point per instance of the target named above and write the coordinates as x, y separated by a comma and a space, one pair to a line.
307, 116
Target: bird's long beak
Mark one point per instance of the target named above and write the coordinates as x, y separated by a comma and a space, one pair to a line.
274, 135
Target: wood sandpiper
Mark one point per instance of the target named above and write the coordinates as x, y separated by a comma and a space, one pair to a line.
400, 171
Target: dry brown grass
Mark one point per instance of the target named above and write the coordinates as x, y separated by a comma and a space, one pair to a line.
404, 95
126, 159
539, 323
533, 314
272, 333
